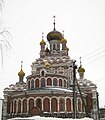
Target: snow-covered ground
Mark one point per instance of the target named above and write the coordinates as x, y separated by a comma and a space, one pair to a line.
47, 118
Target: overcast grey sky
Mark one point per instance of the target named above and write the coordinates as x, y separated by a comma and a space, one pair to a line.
83, 22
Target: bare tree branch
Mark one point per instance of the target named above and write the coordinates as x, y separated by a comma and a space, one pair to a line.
1, 4
5, 45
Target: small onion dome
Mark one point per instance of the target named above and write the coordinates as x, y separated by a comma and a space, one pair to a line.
21, 73
81, 69
42, 42
54, 35
47, 64
63, 40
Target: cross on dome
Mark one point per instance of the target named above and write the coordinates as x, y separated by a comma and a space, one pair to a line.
54, 22
80, 61
21, 64
42, 35
63, 33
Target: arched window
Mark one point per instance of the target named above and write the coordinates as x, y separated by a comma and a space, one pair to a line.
46, 105
61, 104
54, 48
79, 105
19, 106
36, 83
42, 73
42, 82
28, 84
64, 83
68, 105
83, 108
31, 104
58, 46
60, 82
54, 105
49, 82
12, 107
15, 106
32, 83
39, 103
24, 106
54, 82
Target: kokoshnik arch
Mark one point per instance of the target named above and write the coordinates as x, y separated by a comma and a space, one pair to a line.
48, 91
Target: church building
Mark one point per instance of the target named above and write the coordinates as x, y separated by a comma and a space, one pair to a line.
52, 88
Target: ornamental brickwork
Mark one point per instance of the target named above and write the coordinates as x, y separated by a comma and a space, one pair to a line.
48, 90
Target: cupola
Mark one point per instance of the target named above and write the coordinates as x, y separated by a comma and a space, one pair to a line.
81, 70
21, 74
47, 64
42, 41
54, 35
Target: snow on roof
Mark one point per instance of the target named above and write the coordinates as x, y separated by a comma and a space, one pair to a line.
61, 89
47, 118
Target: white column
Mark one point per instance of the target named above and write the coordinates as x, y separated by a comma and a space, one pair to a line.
21, 106
27, 106
10, 106
71, 104
16, 106
13, 106
34, 102
65, 105
42, 104
50, 104
58, 104
52, 82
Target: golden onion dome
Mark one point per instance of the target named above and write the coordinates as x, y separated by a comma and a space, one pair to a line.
63, 40
54, 35
47, 64
21, 73
42, 42
81, 69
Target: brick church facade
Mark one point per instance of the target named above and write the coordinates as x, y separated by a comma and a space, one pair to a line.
48, 91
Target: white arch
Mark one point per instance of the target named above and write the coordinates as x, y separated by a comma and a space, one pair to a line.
38, 98
35, 81
30, 98
46, 97
71, 99
53, 80
16, 104
78, 98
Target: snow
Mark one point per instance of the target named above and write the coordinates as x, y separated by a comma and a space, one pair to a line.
47, 118
61, 89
